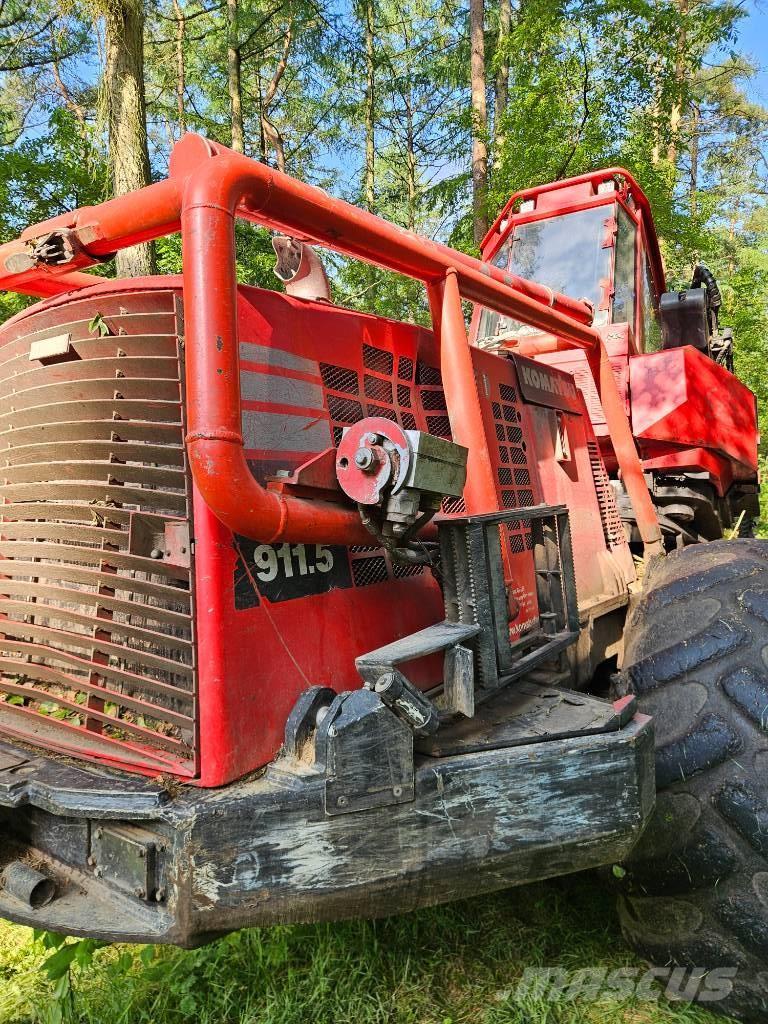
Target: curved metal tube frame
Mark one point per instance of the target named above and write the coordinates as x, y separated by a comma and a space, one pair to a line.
210, 187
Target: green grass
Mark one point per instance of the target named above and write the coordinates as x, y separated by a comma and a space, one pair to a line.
449, 965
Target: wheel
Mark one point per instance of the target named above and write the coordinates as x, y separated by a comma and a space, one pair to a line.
746, 525
695, 892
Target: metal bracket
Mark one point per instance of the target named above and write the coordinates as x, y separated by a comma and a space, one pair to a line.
127, 855
480, 655
363, 751
475, 593
379, 673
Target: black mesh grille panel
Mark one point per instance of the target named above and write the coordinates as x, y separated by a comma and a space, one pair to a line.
366, 571
338, 378
383, 411
378, 359
405, 368
344, 410
515, 483
426, 374
432, 400
440, 426
378, 389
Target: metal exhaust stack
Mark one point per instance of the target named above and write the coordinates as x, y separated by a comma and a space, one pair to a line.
28, 886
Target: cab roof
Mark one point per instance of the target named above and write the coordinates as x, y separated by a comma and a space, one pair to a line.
572, 194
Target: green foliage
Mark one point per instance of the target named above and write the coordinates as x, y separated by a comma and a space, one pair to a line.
99, 326
57, 968
459, 963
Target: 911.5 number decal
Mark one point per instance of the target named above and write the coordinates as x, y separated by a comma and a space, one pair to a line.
282, 572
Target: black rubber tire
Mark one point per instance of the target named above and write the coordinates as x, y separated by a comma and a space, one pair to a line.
695, 893
746, 526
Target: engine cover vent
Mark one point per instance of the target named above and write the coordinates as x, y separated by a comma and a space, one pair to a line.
96, 651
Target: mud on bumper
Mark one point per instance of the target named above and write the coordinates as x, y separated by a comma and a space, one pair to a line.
131, 861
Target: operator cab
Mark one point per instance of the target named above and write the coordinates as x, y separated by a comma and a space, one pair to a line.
590, 238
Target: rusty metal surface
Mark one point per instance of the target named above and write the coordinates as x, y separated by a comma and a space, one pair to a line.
96, 650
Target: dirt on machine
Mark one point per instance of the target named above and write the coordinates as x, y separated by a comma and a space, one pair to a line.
311, 614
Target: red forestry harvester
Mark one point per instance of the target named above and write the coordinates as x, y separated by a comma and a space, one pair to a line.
303, 609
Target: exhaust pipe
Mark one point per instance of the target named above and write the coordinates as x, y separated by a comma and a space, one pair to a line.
27, 885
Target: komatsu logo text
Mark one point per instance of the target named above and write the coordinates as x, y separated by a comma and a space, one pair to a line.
550, 382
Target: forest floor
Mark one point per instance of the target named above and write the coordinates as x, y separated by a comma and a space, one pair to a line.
458, 964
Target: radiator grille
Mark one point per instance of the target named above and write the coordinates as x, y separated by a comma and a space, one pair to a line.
585, 382
613, 528
96, 646
515, 484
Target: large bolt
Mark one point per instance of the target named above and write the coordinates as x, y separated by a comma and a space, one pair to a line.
364, 459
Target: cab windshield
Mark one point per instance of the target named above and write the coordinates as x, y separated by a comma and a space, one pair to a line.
569, 254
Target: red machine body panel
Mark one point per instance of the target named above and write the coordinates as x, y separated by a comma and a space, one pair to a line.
266, 621
687, 412
619, 347
572, 472
277, 619
683, 401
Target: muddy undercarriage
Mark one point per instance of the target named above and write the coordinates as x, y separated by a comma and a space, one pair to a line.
563, 783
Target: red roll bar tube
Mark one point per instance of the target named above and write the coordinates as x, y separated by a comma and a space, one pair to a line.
209, 187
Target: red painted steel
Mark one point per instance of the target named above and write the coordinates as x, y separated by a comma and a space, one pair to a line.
92, 470
44, 286
683, 400
461, 397
271, 383
258, 642
618, 346
225, 184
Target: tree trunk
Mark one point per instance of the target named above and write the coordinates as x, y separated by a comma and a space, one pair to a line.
479, 120
181, 84
126, 111
694, 151
269, 131
502, 79
234, 77
410, 160
676, 113
370, 106
272, 136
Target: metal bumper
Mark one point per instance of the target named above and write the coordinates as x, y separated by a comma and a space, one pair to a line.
133, 861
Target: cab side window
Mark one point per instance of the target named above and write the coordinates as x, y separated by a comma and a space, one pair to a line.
623, 309
649, 314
